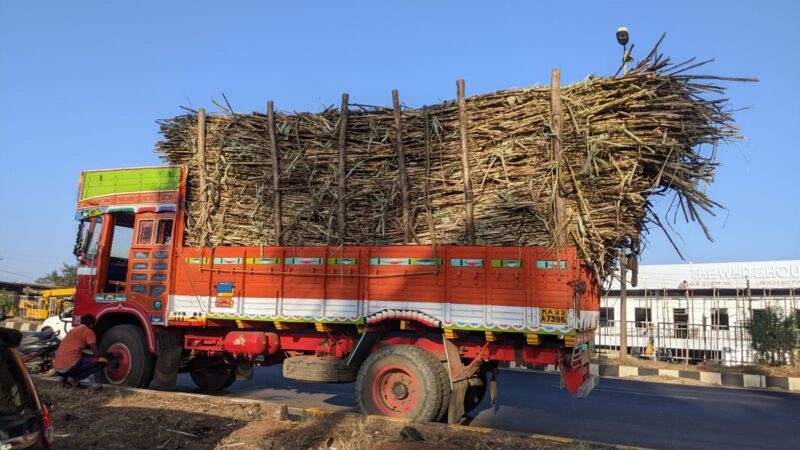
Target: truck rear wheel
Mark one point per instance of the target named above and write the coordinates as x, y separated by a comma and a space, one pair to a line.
212, 374
132, 364
475, 393
401, 381
444, 379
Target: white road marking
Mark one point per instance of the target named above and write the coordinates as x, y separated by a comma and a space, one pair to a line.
618, 391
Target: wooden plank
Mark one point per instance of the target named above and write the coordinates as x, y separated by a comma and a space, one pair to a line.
401, 165
462, 128
427, 188
556, 140
342, 173
273, 142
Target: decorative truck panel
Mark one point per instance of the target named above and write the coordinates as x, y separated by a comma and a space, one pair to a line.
517, 289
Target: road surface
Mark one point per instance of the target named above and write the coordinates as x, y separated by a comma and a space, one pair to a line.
655, 415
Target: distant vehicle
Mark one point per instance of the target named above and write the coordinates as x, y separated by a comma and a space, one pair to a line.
24, 420
60, 324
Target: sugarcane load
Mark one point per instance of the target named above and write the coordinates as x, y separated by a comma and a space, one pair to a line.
589, 182
410, 251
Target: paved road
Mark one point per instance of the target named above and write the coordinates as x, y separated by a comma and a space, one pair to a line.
634, 413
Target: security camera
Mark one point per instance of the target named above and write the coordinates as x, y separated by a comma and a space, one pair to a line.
622, 35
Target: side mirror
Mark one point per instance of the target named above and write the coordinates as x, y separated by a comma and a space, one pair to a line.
80, 241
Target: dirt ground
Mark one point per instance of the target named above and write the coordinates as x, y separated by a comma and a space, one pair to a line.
780, 371
111, 418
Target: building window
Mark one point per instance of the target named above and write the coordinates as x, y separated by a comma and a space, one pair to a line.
759, 313
680, 317
719, 318
643, 317
606, 317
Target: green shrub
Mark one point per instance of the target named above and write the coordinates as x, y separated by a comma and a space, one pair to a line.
775, 336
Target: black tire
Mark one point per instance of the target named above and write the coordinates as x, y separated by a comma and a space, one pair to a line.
212, 374
475, 393
319, 369
444, 378
411, 371
142, 362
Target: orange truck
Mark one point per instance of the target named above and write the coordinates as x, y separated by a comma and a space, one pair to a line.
420, 330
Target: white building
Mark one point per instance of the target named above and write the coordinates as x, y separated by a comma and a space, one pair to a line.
698, 311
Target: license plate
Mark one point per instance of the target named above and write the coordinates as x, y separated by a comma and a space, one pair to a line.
554, 316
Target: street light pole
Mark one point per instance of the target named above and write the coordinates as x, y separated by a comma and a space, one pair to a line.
623, 304
622, 38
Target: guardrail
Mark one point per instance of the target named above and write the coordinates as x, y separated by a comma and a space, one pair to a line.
687, 342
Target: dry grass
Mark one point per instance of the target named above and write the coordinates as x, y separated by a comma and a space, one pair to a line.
112, 418
650, 133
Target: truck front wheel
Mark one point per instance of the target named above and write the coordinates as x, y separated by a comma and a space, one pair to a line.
401, 381
132, 365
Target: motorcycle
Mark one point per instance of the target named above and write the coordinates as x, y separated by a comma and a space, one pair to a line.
37, 350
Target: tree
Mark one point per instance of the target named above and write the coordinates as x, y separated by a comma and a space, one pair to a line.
66, 277
774, 335
7, 301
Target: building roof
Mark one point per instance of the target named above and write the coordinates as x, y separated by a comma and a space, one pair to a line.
728, 275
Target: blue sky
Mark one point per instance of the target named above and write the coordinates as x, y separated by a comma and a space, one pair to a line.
82, 84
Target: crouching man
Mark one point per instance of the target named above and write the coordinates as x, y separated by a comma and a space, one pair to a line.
70, 364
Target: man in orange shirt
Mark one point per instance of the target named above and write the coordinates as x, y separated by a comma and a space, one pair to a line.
70, 364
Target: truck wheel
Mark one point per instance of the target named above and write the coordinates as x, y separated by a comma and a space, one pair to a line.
132, 364
319, 369
475, 393
212, 374
401, 381
444, 378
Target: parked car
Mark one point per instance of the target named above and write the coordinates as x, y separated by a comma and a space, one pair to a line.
24, 420
60, 324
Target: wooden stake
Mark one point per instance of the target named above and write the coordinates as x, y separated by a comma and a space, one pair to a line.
401, 165
201, 153
273, 141
342, 167
426, 187
556, 140
462, 128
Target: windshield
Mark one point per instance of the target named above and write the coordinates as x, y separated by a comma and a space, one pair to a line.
16, 398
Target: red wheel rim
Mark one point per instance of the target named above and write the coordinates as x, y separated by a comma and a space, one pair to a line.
118, 369
395, 391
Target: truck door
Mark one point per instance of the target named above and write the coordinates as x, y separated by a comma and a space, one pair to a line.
148, 273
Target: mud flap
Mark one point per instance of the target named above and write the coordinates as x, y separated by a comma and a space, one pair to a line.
576, 374
456, 410
459, 381
170, 348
